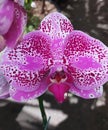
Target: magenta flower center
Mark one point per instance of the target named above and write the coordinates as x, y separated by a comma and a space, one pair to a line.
58, 77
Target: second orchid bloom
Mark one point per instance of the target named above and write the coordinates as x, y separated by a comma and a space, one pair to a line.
12, 22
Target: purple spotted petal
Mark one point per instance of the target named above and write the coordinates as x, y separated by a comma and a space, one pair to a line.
17, 28
27, 65
57, 26
87, 94
4, 87
6, 15
22, 96
87, 60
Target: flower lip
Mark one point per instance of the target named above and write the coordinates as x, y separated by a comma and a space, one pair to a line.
59, 91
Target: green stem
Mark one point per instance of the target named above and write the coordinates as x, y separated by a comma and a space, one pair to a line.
44, 117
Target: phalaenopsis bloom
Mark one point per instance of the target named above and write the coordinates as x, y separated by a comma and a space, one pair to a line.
56, 58
12, 22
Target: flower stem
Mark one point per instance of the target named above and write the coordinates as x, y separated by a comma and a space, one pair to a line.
44, 117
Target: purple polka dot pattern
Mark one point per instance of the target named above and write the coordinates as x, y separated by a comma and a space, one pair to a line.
56, 25
87, 63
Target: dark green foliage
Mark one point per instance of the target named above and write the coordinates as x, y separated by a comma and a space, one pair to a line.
32, 20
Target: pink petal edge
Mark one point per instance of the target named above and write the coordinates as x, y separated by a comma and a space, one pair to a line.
87, 94
22, 96
19, 21
6, 15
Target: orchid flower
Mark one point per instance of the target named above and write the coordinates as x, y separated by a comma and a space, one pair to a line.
56, 58
12, 22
